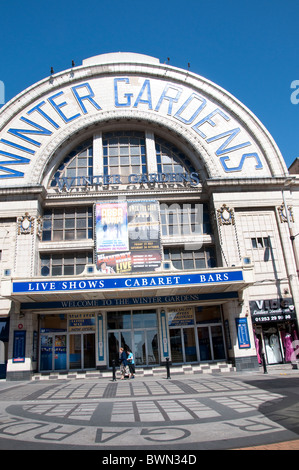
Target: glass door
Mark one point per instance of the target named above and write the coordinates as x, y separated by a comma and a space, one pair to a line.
211, 343
53, 352
183, 345
116, 340
205, 352
82, 351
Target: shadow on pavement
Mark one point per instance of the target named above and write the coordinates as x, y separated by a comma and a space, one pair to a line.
284, 412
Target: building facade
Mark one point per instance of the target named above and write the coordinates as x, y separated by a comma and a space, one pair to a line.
142, 206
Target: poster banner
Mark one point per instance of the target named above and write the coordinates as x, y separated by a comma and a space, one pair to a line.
111, 227
128, 237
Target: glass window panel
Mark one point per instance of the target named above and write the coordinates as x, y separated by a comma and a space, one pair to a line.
188, 264
82, 162
177, 264
68, 270
56, 270
71, 173
124, 151
69, 235
113, 161
135, 160
124, 161
58, 236
135, 151
113, 151
80, 268
81, 234
81, 223
119, 320
70, 223
46, 236
58, 224
47, 224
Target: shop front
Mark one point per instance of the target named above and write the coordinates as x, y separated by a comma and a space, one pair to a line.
86, 332
275, 330
68, 341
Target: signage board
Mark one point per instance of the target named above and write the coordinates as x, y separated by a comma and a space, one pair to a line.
273, 310
243, 333
127, 236
127, 282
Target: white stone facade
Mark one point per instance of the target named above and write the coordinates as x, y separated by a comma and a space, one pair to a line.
233, 282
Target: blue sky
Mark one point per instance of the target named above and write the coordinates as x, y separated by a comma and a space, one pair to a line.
249, 47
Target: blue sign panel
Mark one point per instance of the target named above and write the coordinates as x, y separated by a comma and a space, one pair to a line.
161, 299
19, 342
243, 333
127, 282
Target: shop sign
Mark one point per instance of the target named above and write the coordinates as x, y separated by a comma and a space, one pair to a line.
81, 322
181, 316
273, 310
111, 282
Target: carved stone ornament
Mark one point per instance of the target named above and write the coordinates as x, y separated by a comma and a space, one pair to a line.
282, 213
25, 224
39, 227
225, 215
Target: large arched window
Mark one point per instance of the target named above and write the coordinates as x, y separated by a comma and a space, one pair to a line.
79, 162
124, 153
170, 159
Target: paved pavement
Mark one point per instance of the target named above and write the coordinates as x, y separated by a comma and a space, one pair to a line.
186, 413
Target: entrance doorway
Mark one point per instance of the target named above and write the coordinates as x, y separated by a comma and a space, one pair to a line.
135, 331
82, 351
53, 352
211, 343
182, 343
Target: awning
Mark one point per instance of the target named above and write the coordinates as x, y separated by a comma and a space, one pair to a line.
219, 284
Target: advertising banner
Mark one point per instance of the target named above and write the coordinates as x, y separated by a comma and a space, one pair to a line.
128, 237
111, 227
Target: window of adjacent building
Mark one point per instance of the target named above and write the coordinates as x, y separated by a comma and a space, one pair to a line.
260, 242
124, 153
64, 264
68, 224
184, 219
187, 259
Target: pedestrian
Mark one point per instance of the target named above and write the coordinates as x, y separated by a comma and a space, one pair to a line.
123, 363
131, 363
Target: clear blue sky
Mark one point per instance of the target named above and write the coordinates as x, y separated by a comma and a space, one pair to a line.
249, 47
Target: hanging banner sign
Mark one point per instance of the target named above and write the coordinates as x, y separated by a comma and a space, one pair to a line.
127, 237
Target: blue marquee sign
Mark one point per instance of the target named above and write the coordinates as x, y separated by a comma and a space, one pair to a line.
104, 283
